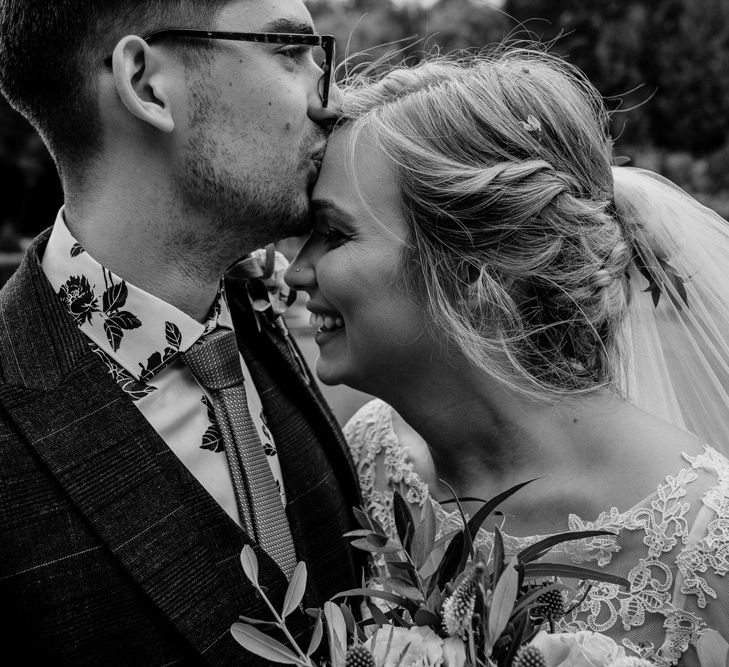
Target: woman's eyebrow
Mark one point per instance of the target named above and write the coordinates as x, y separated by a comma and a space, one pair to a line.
328, 206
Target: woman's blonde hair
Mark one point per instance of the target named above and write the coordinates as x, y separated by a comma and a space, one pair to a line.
502, 161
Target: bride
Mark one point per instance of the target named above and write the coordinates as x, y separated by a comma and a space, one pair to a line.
477, 265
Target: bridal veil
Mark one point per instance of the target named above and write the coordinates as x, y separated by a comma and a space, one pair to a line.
677, 330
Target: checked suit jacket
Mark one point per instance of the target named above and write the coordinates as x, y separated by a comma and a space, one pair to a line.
111, 552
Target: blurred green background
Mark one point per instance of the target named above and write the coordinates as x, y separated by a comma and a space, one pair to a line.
662, 66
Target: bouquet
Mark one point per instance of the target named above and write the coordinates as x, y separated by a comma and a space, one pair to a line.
442, 602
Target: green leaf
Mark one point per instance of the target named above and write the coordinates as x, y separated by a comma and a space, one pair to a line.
365, 545
316, 636
336, 631
538, 549
466, 537
498, 558
424, 537
404, 523
255, 641
426, 617
250, 564
361, 532
535, 570
369, 593
367, 522
713, 650
502, 602
378, 540
404, 588
477, 519
402, 569
296, 589
255, 621
349, 621
448, 567
378, 616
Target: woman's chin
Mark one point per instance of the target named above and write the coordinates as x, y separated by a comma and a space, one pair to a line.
328, 373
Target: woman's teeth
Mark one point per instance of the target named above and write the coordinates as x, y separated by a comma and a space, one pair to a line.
326, 322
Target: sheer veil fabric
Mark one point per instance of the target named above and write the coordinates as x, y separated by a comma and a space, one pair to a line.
676, 351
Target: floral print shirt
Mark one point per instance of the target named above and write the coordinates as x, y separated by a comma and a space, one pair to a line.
140, 339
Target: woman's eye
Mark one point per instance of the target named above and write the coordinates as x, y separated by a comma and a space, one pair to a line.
332, 236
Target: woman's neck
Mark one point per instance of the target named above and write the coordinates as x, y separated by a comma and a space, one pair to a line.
484, 439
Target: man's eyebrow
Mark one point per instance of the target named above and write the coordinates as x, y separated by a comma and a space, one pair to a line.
287, 25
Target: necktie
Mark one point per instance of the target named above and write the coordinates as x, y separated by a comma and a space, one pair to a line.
214, 361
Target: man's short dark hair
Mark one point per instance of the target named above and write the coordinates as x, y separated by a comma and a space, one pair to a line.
51, 53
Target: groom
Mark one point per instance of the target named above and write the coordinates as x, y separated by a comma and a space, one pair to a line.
129, 479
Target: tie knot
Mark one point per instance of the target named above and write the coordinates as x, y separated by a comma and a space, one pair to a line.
214, 360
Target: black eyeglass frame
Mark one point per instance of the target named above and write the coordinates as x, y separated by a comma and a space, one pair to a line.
326, 42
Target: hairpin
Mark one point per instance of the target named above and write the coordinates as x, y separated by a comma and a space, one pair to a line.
532, 124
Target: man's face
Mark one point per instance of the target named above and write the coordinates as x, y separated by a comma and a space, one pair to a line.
254, 142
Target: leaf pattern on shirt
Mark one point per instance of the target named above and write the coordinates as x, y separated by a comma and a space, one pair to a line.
117, 321
76, 250
158, 360
268, 447
135, 389
212, 439
264, 426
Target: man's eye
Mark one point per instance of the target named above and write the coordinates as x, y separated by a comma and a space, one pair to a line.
296, 52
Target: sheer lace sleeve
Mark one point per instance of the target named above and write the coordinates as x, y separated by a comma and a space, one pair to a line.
382, 463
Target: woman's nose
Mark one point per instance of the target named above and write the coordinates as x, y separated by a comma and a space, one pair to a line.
300, 275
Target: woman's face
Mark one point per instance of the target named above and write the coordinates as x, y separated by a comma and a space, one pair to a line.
369, 331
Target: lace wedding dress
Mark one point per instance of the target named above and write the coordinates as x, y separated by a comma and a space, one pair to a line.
673, 547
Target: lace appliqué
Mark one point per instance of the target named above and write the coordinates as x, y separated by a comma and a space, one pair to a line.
662, 518
712, 550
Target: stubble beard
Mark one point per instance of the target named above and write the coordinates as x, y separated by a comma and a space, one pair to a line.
241, 213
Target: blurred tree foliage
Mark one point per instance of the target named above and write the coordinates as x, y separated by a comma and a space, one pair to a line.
663, 66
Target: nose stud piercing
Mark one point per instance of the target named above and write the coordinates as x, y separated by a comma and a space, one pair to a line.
298, 270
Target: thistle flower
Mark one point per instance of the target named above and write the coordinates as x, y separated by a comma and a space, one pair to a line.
459, 607
553, 602
530, 656
359, 656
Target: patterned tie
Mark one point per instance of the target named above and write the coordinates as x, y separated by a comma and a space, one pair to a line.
214, 361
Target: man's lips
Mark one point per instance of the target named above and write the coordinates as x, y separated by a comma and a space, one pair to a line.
318, 155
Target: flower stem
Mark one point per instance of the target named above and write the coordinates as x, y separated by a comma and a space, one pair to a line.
281, 625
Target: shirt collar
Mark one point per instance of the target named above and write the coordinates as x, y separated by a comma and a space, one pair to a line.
138, 330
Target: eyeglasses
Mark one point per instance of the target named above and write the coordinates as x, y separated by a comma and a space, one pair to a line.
326, 42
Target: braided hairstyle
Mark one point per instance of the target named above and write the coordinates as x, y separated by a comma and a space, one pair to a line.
503, 166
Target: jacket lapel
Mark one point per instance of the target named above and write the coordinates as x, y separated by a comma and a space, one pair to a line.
117, 471
319, 476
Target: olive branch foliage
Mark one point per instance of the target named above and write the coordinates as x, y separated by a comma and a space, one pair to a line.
416, 580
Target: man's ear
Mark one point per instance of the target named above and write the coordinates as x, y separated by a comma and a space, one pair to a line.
140, 83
